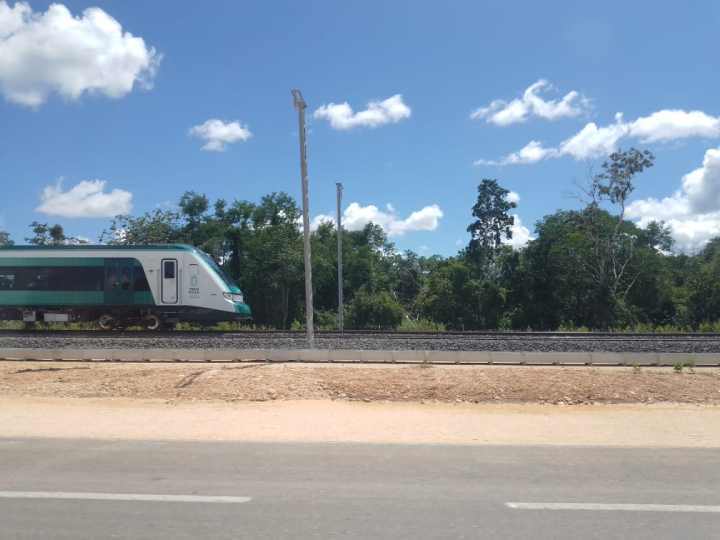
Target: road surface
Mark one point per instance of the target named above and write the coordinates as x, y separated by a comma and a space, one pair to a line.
82, 489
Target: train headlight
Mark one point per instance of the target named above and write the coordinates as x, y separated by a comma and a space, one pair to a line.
234, 297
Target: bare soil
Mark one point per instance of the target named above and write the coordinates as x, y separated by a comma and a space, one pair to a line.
449, 384
307, 421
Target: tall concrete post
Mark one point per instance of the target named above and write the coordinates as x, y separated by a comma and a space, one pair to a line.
300, 105
341, 323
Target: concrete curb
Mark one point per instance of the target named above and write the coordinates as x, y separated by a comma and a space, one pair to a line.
364, 356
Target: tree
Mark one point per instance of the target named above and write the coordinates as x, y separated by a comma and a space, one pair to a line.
193, 207
157, 227
5, 239
493, 223
613, 247
47, 235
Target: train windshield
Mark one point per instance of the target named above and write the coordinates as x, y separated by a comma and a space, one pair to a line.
220, 272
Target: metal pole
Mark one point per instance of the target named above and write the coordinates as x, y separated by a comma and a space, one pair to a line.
300, 105
339, 257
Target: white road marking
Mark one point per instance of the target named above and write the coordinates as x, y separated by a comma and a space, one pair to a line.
614, 507
80, 496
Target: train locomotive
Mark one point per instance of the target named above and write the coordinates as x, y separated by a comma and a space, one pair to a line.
155, 286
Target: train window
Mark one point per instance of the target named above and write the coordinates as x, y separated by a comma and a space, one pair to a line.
76, 279
169, 269
52, 279
38, 279
141, 282
7, 280
125, 279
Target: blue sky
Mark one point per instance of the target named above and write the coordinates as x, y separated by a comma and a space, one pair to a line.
98, 105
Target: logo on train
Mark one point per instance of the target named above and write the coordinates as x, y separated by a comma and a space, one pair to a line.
194, 290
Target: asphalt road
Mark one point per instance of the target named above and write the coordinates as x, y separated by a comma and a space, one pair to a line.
176, 490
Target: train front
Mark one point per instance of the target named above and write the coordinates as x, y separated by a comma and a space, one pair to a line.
233, 297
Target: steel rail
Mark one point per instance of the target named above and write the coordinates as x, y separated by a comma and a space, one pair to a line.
379, 334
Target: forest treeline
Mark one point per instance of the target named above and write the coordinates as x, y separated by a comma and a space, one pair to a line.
588, 267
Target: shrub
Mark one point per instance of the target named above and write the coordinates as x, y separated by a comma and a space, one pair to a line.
375, 310
421, 325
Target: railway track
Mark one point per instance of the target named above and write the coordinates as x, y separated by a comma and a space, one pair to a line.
544, 342
358, 334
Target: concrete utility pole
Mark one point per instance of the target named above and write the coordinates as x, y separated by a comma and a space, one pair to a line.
300, 105
341, 323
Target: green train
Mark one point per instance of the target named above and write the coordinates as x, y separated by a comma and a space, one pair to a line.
155, 286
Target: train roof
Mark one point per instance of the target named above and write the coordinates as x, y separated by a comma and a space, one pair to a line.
104, 247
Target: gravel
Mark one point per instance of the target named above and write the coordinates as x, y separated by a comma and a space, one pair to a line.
247, 340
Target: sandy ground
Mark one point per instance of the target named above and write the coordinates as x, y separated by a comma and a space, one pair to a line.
666, 425
375, 404
261, 382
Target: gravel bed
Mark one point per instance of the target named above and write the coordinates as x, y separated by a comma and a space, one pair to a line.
365, 342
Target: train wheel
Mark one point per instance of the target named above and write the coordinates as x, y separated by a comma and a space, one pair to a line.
106, 322
151, 322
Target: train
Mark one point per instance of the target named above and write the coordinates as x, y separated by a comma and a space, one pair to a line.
155, 286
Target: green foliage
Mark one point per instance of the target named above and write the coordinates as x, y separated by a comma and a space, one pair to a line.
5, 239
375, 310
46, 235
493, 222
586, 269
421, 325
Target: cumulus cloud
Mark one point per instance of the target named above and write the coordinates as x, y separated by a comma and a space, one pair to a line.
513, 197
86, 199
503, 113
520, 234
55, 52
378, 113
693, 211
594, 141
668, 125
532, 152
218, 134
357, 216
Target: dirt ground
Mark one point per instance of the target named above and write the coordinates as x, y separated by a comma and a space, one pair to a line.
449, 384
309, 421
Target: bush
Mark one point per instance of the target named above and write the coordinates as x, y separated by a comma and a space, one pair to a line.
378, 311
421, 325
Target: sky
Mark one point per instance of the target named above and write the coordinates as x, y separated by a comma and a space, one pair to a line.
114, 107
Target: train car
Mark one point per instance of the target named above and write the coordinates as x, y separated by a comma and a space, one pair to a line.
116, 286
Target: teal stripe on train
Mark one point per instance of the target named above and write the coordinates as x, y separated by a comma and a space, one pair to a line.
54, 262
65, 298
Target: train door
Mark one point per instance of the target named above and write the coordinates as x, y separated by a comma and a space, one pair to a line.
169, 281
119, 282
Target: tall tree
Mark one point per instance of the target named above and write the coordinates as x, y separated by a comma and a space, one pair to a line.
493, 222
613, 248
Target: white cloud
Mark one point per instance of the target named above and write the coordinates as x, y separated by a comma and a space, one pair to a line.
592, 141
668, 125
692, 212
596, 142
356, 217
218, 134
520, 234
55, 52
86, 199
502, 113
513, 197
532, 152
378, 113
